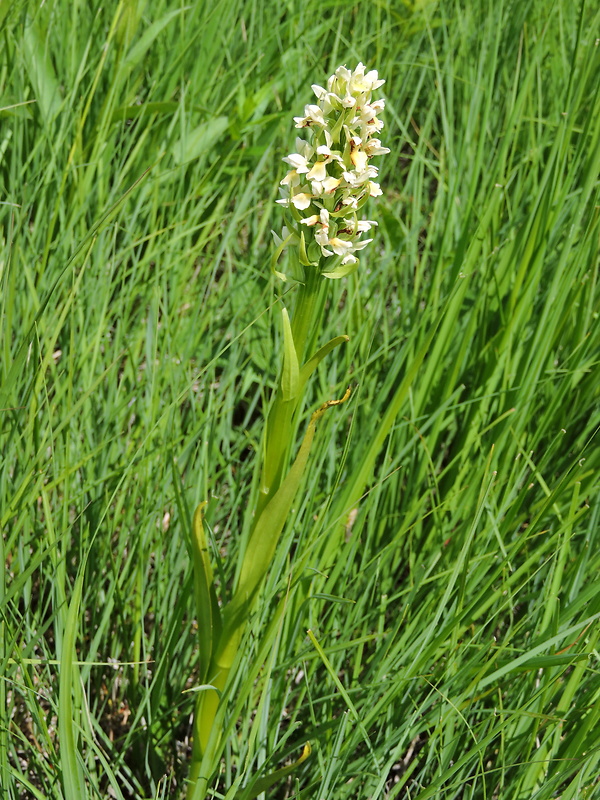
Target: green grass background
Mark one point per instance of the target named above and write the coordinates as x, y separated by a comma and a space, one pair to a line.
444, 551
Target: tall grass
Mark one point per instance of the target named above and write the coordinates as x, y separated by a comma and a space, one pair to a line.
444, 551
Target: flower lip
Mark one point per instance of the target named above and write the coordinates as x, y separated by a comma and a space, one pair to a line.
301, 200
359, 159
291, 179
318, 172
330, 184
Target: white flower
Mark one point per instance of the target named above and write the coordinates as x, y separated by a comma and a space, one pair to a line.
324, 217
313, 115
343, 73
299, 162
322, 183
327, 100
361, 245
374, 126
359, 82
354, 178
365, 225
291, 179
340, 246
374, 148
322, 232
329, 185
341, 77
325, 150
322, 239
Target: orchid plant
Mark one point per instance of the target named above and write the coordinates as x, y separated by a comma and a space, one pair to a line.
330, 180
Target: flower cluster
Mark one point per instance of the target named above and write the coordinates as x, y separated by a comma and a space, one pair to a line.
331, 178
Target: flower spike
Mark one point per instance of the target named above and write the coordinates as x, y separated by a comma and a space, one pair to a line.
331, 176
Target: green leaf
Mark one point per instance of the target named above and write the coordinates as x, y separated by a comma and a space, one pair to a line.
311, 365
546, 662
263, 784
41, 72
342, 690
263, 541
72, 775
144, 109
202, 687
207, 608
303, 255
200, 140
145, 42
291, 371
281, 245
341, 271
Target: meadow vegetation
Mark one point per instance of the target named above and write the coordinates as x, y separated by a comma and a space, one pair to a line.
431, 620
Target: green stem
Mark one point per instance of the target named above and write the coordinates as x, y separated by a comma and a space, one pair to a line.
207, 705
308, 311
